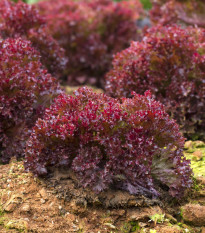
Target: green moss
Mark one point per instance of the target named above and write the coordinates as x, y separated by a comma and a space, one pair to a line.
146, 4
1, 211
125, 228
157, 218
197, 186
2, 220
197, 166
152, 231
134, 226
18, 225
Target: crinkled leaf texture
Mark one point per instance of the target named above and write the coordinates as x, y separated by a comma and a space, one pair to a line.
189, 12
25, 90
109, 142
23, 20
169, 61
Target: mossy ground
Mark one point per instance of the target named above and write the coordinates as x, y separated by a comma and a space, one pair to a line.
197, 159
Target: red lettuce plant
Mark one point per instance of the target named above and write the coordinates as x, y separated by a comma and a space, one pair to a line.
116, 23
188, 12
170, 62
23, 20
25, 90
127, 143
90, 32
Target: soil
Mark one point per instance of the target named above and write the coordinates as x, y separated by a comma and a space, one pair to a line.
58, 204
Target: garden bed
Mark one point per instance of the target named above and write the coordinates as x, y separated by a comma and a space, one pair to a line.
31, 204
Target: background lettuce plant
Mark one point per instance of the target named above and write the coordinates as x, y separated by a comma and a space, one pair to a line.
91, 32
169, 61
185, 12
23, 20
25, 90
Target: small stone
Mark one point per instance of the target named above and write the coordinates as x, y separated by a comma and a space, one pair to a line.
12, 203
38, 195
25, 208
43, 193
42, 201
198, 154
188, 145
110, 225
10, 207
194, 214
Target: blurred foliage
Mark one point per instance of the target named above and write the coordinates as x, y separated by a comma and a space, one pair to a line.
31, 1
28, 1
146, 3
195, 151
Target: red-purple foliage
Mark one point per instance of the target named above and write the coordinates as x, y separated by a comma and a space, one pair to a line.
25, 90
170, 62
90, 32
116, 23
187, 12
127, 143
23, 20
